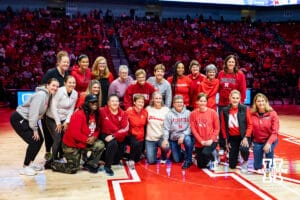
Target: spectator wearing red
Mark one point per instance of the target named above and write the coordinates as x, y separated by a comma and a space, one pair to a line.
231, 78
140, 87
210, 85
137, 117
100, 71
196, 78
82, 73
114, 128
180, 83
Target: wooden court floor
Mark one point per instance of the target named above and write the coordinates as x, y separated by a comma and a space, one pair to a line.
150, 182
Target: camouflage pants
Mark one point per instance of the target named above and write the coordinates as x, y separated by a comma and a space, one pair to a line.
73, 156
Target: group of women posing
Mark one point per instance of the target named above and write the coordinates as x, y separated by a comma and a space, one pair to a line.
106, 116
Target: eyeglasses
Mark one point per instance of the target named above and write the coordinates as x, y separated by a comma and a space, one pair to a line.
93, 102
178, 102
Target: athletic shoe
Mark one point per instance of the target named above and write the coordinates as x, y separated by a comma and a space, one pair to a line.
221, 152
163, 161
244, 167
131, 164
90, 168
186, 165
36, 167
28, 171
109, 171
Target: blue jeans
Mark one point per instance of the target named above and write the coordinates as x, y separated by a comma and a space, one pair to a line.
151, 151
188, 143
258, 152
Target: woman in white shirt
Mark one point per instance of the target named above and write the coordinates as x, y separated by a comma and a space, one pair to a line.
58, 115
154, 133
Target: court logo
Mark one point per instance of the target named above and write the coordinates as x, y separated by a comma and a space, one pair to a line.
272, 170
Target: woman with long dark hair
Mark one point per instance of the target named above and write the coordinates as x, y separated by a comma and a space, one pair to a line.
180, 84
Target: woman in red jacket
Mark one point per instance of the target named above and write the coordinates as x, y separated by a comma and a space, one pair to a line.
180, 84
231, 78
82, 73
137, 117
205, 128
114, 128
82, 134
265, 129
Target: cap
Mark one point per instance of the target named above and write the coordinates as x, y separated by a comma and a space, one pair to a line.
90, 98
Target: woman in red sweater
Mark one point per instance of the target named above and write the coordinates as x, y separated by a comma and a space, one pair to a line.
210, 85
205, 128
231, 78
196, 78
82, 73
180, 84
137, 117
236, 125
82, 134
265, 129
114, 128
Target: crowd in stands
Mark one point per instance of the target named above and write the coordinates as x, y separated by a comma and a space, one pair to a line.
30, 40
268, 52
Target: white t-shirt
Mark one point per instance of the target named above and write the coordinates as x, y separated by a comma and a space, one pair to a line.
155, 122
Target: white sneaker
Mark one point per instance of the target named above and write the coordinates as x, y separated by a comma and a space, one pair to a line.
62, 160
163, 161
244, 167
28, 171
131, 164
221, 152
36, 167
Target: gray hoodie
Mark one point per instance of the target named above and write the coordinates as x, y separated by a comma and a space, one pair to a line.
176, 124
35, 107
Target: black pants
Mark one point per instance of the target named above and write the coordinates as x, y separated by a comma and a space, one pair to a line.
136, 148
222, 142
235, 143
47, 135
57, 151
204, 155
21, 126
113, 151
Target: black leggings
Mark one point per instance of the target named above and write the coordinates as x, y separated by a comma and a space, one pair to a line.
204, 155
235, 143
47, 135
21, 126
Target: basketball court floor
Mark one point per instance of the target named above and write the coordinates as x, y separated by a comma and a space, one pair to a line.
160, 181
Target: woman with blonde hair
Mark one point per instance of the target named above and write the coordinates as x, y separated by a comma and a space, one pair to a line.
236, 126
94, 88
154, 131
265, 129
100, 72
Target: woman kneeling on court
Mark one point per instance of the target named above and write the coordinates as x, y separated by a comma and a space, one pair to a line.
265, 130
82, 134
